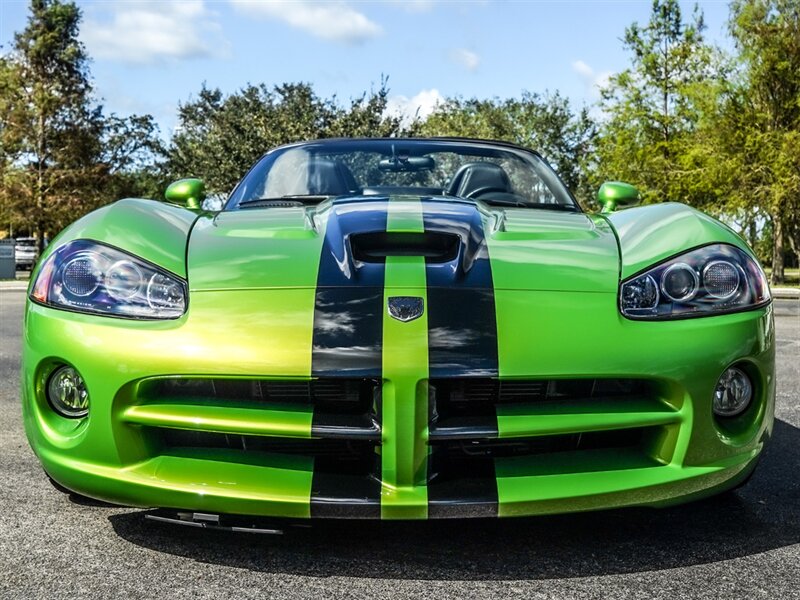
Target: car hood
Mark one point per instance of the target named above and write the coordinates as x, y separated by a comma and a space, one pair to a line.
528, 249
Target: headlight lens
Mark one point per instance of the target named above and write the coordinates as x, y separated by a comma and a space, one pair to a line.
679, 282
94, 278
706, 281
124, 280
721, 279
82, 275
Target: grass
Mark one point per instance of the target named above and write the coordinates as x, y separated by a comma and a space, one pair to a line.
791, 277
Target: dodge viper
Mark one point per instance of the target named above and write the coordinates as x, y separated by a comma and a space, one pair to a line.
397, 329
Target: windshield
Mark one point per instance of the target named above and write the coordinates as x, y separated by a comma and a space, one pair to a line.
493, 173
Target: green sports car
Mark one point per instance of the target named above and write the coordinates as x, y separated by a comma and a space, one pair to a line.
397, 329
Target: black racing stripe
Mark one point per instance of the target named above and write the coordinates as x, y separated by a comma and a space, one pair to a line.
462, 343
336, 495
334, 426
463, 428
461, 490
348, 342
462, 323
462, 335
345, 409
348, 333
348, 312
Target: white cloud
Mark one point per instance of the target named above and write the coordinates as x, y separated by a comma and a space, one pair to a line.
582, 69
414, 5
147, 32
594, 80
466, 58
332, 21
421, 105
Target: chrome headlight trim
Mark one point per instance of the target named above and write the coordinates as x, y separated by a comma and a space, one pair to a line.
106, 297
752, 290
688, 295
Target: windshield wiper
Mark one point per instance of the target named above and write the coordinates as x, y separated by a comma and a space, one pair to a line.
552, 206
537, 205
288, 200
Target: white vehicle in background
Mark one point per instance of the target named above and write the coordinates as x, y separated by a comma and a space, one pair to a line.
26, 253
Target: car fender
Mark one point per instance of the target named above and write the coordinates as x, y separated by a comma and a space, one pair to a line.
149, 229
650, 234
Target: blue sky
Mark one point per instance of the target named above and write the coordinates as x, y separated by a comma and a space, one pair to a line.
150, 55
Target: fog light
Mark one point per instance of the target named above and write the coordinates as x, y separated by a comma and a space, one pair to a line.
733, 393
67, 393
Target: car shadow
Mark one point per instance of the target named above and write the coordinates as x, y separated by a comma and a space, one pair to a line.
761, 516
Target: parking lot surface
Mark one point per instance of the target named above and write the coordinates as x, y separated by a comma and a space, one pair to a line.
741, 545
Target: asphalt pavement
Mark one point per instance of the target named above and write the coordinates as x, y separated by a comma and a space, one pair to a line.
741, 545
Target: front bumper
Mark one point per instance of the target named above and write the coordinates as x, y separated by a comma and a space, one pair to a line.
118, 454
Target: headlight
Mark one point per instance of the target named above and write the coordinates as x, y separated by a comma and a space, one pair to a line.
91, 277
707, 281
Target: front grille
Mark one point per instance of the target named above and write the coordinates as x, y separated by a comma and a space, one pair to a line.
478, 430
466, 450
463, 412
328, 428
337, 418
344, 396
328, 454
483, 430
462, 397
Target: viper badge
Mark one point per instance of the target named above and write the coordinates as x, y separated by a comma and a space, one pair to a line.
406, 308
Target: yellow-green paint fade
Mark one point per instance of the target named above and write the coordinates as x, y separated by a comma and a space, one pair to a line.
555, 418
251, 308
196, 482
271, 420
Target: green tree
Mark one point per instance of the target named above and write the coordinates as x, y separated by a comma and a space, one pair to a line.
44, 108
544, 123
59, 155
761, 111
220, 137
131, 154
650, 110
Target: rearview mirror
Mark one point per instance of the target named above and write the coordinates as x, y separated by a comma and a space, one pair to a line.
616, 193
188, 192
406, 164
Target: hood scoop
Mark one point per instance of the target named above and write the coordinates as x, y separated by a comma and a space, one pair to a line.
435, 246
358, 241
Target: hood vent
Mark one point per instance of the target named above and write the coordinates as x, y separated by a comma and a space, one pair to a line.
373, 247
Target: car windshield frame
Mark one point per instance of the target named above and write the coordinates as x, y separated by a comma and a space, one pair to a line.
391, 148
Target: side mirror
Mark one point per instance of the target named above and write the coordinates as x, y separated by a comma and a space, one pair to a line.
188, 192
616, 193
